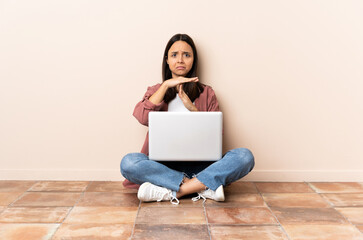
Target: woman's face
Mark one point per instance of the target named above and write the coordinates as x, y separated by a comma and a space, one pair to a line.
180, 59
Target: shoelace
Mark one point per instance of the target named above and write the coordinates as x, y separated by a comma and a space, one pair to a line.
172, 200
194, 199
167, 193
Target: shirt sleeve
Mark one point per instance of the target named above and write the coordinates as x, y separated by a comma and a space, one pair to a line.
142, 108
212, 102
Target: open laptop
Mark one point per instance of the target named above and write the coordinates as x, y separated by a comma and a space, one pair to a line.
185, 136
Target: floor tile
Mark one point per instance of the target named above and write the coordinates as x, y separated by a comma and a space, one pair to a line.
342, 187
344, 199
34, 214
353, 214
171, 215
114, 186
175, 232
322, 232
102, 215
27, 231
238, 232
283, 187
286, 200
15, 186
59, 186
241, 187
45, 199
115, 199
93, 231
107, 210
308, 216
360, 228
251, 216
238, 200
8, 197
184, 202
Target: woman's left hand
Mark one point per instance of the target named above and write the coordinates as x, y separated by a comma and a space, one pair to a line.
186, 100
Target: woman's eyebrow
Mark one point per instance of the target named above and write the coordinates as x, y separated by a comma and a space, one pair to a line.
182, 52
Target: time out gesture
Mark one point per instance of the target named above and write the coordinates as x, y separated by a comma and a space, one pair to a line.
177, 82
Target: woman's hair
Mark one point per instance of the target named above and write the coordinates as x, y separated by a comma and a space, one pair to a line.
192, 89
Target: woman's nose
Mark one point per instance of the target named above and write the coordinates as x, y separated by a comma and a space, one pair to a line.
180, 59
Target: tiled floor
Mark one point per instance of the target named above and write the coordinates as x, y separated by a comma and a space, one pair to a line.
252, 210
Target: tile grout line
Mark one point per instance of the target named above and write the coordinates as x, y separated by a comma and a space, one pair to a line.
204, 208
346, 219
206, 219
321, 194
1, 211
70, 210
133, 227
26, 191
246, 224
90, 183
20, 196
268, 207
311, 186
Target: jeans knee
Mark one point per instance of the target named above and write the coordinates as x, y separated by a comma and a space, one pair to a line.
246, 157
128, 163
124, 164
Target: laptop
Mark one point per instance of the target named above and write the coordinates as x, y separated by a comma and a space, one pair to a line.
185, 136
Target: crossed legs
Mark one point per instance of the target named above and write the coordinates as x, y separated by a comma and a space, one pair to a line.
137, 168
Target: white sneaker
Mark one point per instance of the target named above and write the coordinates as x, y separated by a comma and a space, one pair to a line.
217, 195
149, 192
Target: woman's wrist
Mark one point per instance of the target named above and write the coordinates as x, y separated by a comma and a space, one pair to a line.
165, 84
194, 109
158, 96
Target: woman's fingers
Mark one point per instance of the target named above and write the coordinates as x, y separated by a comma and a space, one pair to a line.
178, 87
186, 100
193, 79
174, 82
183, 95
181, 92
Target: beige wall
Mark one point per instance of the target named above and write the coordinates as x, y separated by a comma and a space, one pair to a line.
288, 75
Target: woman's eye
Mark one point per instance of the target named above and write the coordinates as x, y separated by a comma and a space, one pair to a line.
187, 55
173, 55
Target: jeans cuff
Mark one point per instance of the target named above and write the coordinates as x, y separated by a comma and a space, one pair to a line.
180, 182
209, 184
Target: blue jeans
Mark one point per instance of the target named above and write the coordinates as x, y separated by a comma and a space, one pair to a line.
235, 164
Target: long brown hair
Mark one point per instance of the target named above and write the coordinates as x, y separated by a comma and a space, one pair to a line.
193, 90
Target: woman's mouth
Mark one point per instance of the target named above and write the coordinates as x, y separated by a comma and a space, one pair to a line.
180, 68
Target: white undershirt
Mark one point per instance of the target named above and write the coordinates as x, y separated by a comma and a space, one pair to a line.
177, 105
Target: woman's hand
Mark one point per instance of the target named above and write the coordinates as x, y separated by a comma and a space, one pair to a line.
185, 99
174, 82
158, 96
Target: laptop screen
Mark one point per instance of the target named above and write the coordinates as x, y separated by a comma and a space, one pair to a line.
185, 136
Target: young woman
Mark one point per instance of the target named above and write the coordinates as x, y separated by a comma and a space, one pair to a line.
181, 91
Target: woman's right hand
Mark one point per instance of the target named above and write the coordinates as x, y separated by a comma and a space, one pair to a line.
173, 82
158, 96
